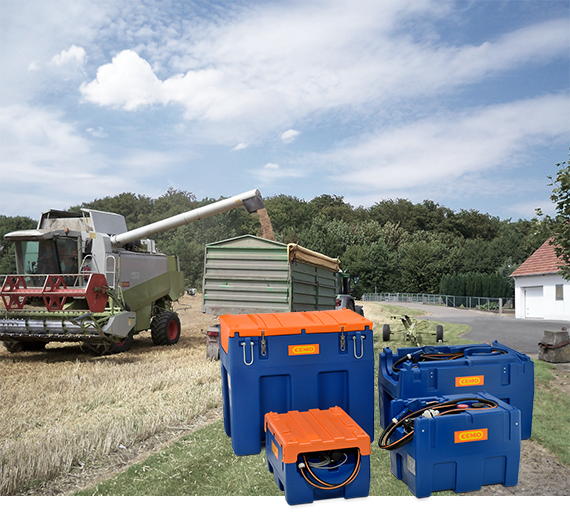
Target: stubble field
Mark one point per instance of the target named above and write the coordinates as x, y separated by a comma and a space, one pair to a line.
64, 409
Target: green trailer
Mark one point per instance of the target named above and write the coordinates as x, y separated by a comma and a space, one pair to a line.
249, 274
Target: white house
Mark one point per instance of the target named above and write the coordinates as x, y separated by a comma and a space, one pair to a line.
540, 292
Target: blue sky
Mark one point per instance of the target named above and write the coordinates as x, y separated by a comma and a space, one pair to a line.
465, 103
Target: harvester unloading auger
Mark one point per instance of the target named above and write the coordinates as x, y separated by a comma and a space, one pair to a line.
85, 277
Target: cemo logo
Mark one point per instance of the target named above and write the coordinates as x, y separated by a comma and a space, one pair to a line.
475, 435
469, 381
304, 349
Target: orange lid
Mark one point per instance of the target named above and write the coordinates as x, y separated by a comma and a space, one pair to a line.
316, 430
292, 323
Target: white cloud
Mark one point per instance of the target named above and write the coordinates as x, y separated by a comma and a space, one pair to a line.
128, 81
451, 145
289, 136
74, 56
270, 66
45, 163
273, 174
98, 132
240, 146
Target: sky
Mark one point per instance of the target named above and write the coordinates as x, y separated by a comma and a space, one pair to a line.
464, 103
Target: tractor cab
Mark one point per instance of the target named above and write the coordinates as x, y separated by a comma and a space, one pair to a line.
345, 293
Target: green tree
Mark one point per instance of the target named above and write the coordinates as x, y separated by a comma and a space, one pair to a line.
136, 209
425, 259
560, 227
7, 251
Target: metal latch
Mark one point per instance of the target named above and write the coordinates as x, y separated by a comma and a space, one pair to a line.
263, 344
342, 340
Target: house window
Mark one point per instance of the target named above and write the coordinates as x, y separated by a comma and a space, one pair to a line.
559, 292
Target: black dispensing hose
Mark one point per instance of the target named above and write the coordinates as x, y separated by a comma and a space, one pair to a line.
422, 355
431, 409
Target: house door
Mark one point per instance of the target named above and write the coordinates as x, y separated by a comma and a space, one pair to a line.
534, 303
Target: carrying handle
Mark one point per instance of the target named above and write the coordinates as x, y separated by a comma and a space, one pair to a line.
243, 344
362, 337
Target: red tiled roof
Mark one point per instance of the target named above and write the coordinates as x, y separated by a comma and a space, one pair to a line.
542, 261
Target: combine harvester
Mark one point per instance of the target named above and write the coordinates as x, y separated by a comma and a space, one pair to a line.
83, 277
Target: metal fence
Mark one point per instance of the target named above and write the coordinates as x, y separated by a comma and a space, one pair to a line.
495, 304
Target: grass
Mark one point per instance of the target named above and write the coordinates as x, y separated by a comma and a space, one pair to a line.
551, 413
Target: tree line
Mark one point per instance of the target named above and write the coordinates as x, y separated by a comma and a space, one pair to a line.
393, 246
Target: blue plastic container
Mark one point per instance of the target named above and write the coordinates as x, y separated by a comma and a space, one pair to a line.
294, 361
493, 368
330, 442
461, 452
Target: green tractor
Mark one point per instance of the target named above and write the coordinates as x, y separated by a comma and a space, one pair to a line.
345, 293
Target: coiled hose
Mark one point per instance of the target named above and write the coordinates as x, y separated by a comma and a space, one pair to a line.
444, 408
316, 482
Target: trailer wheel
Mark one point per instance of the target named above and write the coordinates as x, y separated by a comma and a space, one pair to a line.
386, 332
165, 328
439, 333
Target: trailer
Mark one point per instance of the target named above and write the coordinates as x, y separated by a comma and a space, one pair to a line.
251, 275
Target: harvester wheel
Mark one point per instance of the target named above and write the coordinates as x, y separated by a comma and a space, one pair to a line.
124, 345
15, 346
165, 328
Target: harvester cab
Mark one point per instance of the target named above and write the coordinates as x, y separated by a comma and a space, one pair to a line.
85, 277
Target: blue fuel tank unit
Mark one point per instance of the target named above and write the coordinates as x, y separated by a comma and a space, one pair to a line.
439, 370
294, 361
455, 442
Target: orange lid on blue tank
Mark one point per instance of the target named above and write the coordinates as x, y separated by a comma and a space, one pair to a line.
316, 430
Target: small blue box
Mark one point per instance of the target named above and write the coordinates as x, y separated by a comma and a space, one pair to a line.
294, 361
493, 368
335, 448
460, 452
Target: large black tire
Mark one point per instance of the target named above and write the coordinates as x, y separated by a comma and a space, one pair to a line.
439, 333
359, 310
15, 346
124, 345
386, 332
165, 328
